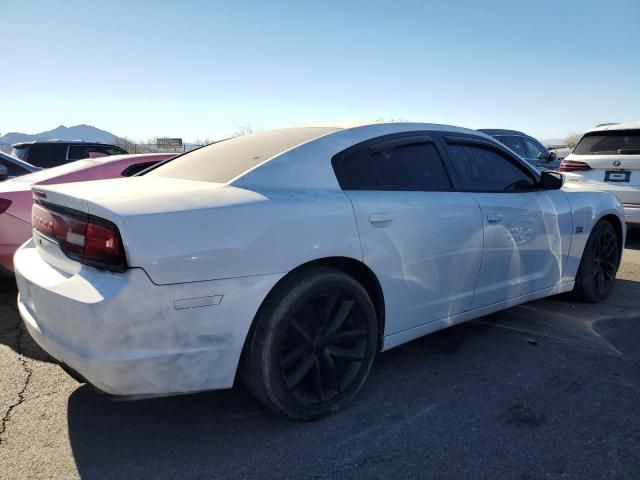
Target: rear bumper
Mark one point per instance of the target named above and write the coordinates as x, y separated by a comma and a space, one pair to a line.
632, 214
128, 336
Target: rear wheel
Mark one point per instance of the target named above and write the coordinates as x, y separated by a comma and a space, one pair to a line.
599, 264
312, 345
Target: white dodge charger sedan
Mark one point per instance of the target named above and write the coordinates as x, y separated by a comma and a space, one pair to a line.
291, 257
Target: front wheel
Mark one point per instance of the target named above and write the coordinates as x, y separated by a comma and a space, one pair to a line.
312, 345
599, 264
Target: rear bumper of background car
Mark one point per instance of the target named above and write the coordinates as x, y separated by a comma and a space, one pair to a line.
632, 214
128, 336
13, 233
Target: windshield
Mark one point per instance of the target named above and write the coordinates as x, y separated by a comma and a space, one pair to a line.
223, 161
18, 152
609, 142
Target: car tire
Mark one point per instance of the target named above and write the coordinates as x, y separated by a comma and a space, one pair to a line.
599, 264
312, 344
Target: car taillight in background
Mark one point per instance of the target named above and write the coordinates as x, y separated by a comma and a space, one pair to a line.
573, 166
88, 239
4, 205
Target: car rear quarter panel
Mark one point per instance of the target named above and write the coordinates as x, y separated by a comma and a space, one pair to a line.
253, 234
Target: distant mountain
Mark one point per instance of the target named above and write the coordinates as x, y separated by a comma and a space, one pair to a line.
77, 132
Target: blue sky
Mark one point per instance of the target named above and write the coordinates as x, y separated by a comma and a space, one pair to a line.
198, 69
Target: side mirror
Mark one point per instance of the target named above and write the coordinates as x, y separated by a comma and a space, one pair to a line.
552, 156
550, 180
4, 173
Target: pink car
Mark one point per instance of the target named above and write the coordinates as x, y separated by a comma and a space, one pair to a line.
16, 197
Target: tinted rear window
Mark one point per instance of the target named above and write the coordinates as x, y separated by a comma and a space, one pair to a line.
45, 155
225, 160
409, 163
610, 142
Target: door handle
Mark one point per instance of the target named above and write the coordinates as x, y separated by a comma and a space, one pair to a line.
494, 217
380, 220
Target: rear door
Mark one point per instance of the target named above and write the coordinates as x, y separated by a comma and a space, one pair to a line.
527, 231
421, 238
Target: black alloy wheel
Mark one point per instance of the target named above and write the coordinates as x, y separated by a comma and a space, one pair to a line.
324, 347
599, 264
312, 344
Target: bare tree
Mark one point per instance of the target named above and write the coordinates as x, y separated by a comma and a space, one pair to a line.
242, 130
572, 139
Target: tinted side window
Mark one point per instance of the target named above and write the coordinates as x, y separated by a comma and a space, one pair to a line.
484, 170
410, 167
393, 165
514, 143
355, 171
47, 155
535, 150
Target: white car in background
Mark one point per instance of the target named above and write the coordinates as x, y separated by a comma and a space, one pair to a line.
293, 256
607, 158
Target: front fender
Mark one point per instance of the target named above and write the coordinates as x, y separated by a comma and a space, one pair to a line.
588, 208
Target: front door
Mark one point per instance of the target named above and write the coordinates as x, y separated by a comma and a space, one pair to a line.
527, 231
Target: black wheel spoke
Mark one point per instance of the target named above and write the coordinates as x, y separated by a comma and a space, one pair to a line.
609, 249
296, 327
600, 279
290, 358
340, 317
318, 380
345, 354
345, 335
331, 373
596, 271
300, 371
330, 307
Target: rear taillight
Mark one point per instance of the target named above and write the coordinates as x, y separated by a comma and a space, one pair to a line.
89, 240
573, 166
4, 205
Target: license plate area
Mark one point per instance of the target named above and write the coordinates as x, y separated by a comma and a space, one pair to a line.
618, 176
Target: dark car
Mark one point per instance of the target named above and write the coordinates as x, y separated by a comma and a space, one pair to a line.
56, 152
11, 167
526, 146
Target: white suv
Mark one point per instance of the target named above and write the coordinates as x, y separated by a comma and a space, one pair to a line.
607, 158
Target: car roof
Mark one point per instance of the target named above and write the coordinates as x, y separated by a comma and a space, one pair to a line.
615, 126
300, 166
501, 131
